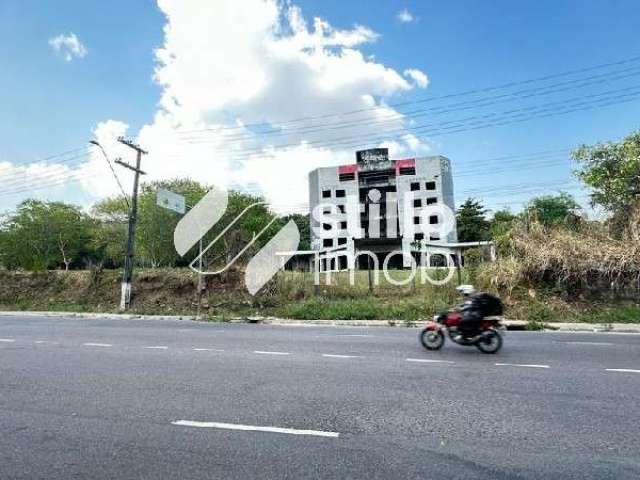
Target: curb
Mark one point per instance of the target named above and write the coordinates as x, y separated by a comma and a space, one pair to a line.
511, 325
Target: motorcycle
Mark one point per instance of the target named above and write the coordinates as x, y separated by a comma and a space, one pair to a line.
488, 338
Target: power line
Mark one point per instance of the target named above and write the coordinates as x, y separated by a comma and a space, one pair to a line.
113, 172
466, 105
441, 97
466, 124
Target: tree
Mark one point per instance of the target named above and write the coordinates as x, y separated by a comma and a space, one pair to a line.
471, 222
42, 235
155, 227
302, 222
154, 233
109, 231
551, 210
501, 222
612, 170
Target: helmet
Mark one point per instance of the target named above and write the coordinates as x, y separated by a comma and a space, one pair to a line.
466, 290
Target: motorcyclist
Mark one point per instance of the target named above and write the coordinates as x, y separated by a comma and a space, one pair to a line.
474, 307
471, 314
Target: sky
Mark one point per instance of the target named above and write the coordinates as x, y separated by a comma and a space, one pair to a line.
254, 94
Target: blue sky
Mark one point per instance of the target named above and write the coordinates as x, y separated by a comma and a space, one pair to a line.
50, 105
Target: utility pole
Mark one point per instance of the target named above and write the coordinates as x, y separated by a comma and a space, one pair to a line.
125, 296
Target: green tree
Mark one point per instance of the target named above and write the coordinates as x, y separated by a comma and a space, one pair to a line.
43, 235
154, 234
552, 210
471, 221
302, 222
109, 231
155, 227
612, 170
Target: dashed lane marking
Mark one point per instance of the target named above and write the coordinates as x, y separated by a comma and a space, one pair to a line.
262, 352
97, 344
207, 350
7, 340
426, 360
626, 370
527, 365
157, 347
253, 428
331, 355
353, 335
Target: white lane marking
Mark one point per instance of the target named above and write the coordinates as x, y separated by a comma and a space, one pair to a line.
330, 355
97, 345
252, 428
39, 342
262, 352
7, 340
157, 347
627, 370
588, 343
424, 360
528, 365
207, 350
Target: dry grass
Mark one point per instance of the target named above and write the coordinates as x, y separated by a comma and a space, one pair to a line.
579, 260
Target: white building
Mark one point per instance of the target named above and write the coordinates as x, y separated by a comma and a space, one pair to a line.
382, 189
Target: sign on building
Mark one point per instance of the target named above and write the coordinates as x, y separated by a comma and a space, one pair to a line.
172, 201
373, 159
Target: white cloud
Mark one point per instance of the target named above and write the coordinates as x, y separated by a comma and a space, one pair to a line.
95, 174
264, 64
405, 16
17, 181
420, 78
68, 46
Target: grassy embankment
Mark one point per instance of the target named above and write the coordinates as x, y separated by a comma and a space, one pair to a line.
290, 295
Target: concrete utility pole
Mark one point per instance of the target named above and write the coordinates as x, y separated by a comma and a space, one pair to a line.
125, 297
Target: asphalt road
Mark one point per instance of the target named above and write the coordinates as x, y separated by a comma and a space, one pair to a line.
177, 399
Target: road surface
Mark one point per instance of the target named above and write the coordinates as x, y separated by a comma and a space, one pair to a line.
113, 398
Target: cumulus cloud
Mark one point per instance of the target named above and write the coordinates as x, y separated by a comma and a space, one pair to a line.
68, 46
229, 94
405, 16
16, 181
419, 78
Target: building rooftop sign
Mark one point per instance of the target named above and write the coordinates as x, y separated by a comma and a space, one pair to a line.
373, 159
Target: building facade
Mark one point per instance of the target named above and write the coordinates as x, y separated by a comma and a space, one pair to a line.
382, 206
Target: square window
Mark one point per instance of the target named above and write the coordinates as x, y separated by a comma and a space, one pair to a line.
340, 193
433, 220
326, 194
416, 220
417, 203
419, 236
342, 241
327, 242
415, 186
430, 185
432, 200
343, 225
341, 209
326, 226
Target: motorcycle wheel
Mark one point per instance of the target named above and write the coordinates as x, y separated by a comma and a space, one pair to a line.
432, 339
491, 342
